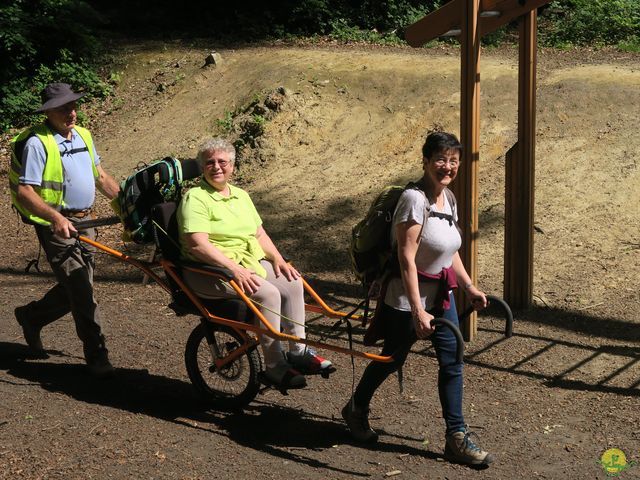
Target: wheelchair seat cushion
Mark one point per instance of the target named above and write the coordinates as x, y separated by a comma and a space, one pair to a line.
229, 308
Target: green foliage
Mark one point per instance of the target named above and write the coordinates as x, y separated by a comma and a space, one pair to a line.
495, 39
226, 123
43, 41
563, 22
115, 78
21, 96
630, 44
307, 17
365, 20
342, 31
259, 119
591, 22
253, 20
390, 15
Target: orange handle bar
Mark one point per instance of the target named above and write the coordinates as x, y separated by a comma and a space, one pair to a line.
144, 266
268, 330
240, 326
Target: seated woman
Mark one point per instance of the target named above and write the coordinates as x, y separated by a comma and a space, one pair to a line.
219, 225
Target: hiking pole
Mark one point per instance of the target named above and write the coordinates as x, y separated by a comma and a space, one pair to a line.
508, 315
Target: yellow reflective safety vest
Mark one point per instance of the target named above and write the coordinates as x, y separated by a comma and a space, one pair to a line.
50, 189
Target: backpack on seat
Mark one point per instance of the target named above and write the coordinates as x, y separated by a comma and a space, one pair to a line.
158, 182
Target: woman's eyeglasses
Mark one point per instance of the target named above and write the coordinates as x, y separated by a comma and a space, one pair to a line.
221, 163
441, 162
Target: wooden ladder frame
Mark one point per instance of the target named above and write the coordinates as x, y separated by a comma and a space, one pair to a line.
470, 20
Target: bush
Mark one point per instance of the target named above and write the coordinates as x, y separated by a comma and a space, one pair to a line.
591, 22
342, 31
631, 44
43, 41
391, 15
21, 96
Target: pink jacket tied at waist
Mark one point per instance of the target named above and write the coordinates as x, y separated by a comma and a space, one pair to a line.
447, 280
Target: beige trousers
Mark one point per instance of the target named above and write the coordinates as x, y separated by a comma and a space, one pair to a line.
277, 295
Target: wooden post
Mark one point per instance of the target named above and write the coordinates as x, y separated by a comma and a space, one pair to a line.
466, 185
520, 176
437, 23
511, 216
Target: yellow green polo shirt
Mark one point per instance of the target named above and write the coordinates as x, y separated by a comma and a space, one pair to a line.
231, 223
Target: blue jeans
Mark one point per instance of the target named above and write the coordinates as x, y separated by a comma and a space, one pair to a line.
399, 337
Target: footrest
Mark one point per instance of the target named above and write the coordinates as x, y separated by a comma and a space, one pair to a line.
264, 380
325, 372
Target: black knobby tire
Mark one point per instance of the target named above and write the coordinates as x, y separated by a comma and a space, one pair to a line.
236, 384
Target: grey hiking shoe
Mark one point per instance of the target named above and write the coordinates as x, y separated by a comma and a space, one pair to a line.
357, 419
459, 448
31, 333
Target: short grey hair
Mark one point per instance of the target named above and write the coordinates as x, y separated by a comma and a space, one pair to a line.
216, 144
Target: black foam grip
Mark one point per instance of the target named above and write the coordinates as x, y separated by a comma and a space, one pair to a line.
163, 173
190, 169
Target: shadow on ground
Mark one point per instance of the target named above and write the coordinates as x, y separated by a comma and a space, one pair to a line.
279, 431
534, 355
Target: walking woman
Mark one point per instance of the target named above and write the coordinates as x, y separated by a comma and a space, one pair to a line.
427, 239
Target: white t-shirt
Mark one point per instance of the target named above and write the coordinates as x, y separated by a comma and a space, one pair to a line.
440, 241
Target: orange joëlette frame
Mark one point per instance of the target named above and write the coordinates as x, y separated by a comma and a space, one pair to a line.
241, 327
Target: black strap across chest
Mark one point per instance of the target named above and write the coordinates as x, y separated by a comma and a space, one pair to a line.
74, 151
442, 216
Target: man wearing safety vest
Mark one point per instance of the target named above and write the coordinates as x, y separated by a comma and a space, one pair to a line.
54, 172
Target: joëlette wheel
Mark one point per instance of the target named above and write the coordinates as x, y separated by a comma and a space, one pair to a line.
234, 385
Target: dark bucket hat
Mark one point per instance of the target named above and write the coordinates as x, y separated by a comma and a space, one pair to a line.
56, 95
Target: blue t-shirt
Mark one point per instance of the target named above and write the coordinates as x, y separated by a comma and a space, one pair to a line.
79, 184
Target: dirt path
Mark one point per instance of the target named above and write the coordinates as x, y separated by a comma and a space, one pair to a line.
548, 402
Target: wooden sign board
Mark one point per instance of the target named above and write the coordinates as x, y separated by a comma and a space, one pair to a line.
492, 15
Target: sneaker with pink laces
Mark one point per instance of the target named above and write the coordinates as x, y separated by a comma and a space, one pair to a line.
309, 362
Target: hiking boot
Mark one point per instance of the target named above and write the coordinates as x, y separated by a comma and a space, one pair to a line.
459, 448
100, 366
308, 362
285, 377
357, 419
31, 333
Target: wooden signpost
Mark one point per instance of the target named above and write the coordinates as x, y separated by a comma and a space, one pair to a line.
470, 20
